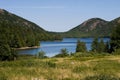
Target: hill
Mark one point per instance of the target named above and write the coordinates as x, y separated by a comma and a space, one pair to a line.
19, 32
92, 27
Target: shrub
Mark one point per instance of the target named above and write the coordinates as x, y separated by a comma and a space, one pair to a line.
41, 54
63, 53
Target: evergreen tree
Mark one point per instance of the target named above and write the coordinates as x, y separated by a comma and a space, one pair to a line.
115, 38
16, 43
107, 47
101, 46
81, 47
6, 53
95, 45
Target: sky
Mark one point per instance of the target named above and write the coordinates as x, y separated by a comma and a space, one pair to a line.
62, 15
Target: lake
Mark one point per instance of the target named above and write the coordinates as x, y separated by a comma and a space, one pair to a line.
52, 48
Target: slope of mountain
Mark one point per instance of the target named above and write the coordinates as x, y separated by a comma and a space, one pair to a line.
18, 32
92, 27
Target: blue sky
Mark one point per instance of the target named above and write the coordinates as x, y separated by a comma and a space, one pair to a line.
62, 15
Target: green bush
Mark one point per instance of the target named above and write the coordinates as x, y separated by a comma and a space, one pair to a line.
41, 55
63, 53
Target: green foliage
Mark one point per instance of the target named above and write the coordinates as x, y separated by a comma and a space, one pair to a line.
6, 53
99, 46
41, 54
115, 38
95, 45
63, 53
81, 47
107, 47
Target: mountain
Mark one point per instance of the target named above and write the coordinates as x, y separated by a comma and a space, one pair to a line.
19, 32
92, 27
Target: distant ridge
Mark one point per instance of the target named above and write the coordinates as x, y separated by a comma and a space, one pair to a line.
92, 27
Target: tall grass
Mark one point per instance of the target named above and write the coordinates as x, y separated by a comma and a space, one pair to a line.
69, 68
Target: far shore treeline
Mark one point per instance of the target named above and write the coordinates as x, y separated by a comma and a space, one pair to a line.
16, 32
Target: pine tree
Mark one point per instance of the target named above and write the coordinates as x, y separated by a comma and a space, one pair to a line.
101, 46
95, 45
115, 38
107, 47
81, 47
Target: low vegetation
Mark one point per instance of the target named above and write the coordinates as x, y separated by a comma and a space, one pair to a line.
63, 53
85, 67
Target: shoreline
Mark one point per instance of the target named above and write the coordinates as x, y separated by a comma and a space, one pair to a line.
23, 48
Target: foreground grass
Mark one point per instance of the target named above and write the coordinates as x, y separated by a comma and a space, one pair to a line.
69, 68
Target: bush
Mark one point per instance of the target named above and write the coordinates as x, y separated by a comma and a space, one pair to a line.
63, 53
41, 54
7, 53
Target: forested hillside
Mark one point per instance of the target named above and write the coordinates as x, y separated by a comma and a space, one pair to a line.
18, 32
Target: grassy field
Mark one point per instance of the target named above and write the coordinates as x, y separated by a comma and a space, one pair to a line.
69, 68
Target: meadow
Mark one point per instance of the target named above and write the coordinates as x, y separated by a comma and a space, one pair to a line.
78, 67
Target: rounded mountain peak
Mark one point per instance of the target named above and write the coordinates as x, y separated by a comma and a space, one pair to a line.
1, 10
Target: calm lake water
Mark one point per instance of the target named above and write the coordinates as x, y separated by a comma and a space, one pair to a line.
52, 48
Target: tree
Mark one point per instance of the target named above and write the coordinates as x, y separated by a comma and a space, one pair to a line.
95, 45
81, 47
115, 38
101, 46
107, 47
7, 53
16, 42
